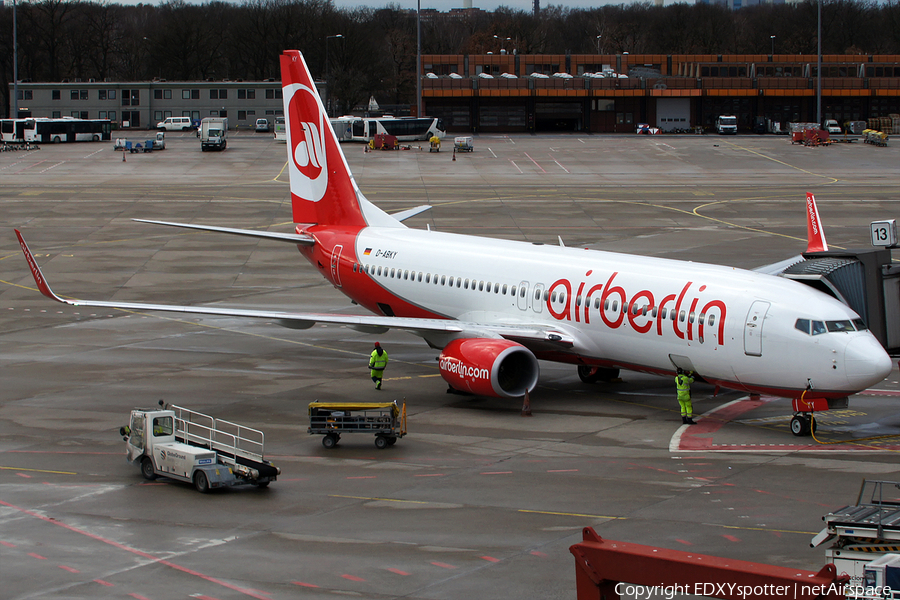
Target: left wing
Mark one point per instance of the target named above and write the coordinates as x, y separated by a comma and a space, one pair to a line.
522, 332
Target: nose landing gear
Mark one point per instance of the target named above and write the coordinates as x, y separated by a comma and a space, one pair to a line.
803, 423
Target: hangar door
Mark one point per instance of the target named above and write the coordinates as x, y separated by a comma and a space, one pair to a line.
673, 113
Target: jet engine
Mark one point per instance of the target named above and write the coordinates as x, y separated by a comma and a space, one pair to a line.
489, 367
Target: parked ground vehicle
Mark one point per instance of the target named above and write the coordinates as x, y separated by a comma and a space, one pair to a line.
160, 142
464, 143
64, 129
726, 125
405, 129
832, 127
176, 124
213, 131
188, 446
385, 420
262, 125
280, 130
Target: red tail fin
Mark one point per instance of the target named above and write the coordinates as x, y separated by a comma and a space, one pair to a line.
322, 188
815, 235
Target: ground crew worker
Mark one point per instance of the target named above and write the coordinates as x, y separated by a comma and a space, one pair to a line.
683, 386
377, 362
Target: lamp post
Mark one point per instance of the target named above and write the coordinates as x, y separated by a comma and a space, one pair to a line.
772, 37
418, 59
598, 43
501, 39
327, 90
15, 114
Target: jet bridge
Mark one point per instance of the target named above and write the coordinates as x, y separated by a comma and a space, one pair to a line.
865, 280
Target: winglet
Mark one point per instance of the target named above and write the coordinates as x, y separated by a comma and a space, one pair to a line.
42, 284
814, 233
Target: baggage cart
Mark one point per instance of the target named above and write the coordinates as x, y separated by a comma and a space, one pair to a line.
385, 420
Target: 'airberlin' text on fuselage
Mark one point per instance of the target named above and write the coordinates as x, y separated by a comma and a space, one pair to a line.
613, 305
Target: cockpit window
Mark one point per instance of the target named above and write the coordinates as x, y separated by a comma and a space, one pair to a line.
802, 325
818, 327
860, 324
834, 326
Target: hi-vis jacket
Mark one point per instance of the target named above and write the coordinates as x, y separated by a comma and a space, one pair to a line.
683, 386
378, 362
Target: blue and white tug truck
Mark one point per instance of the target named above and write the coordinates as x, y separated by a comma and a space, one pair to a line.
188, 446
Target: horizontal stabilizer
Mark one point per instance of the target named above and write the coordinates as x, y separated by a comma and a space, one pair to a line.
410, 212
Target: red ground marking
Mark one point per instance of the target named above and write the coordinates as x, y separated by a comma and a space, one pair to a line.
303, 584
7, 544
538, 553
24, 475
731, 538
102, 582
491, 559
879, 393
37, 556
202, 597
443, 565
364, 477
563, 471
692, 438
685, 542
138, 596
69, 569
497, 473
134, 551
352, 577
397, 571
430, 475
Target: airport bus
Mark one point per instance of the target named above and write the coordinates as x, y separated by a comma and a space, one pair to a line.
67, 129
12, 130
280, 130
406, 129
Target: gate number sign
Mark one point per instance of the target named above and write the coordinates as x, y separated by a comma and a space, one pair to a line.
884, 233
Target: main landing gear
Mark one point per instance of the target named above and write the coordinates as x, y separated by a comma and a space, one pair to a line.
590, 374
803, 424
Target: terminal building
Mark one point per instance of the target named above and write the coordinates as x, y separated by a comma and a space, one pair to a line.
612, 93
510, 92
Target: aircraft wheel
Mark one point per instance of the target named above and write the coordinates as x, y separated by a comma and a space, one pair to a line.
800, 426
381, 442
262, 484
201, 483
594, 374
147, 469
330, 441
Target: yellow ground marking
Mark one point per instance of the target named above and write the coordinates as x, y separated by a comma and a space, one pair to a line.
38, 471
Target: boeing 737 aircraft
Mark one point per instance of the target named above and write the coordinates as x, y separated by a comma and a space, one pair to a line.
493, 319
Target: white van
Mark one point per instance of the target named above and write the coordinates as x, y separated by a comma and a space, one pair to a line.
175, 124
262, 124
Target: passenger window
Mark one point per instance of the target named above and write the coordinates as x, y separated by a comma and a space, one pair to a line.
691, 317
644, 311
480, 286
653, 312
606, 304
521, 292
681, 316
443, 279
554, 296
379, 270
466, 285
615, 305
487, 287
450, 282
860, 324
818, 327
663, 312
419, 277
802, 325
392, 273
712, 320
459, 282
405, 274
597, 303
427, 277
504, 289
537, 294
578, 301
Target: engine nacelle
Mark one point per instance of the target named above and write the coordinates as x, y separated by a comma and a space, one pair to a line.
489, 367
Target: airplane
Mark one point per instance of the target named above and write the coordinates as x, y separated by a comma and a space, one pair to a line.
495, 307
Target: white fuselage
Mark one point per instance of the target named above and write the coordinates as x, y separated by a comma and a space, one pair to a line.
732, 326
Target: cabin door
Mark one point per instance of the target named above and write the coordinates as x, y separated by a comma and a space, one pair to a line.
753, 328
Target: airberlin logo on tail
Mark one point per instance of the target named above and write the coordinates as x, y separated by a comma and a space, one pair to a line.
306, 131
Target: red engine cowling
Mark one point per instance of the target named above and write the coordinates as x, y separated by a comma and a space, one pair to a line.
489, 367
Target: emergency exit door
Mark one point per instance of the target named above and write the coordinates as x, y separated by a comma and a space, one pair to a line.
753, 328
335, 264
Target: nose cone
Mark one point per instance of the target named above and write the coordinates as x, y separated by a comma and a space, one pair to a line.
866, 362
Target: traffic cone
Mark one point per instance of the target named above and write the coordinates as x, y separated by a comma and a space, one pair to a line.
123, 156
526, 405
454, 154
